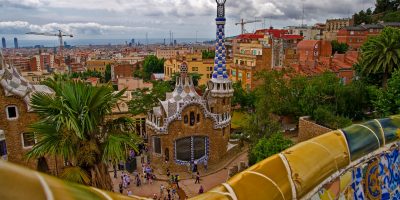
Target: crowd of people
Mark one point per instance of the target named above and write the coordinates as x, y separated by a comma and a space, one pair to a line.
168, 191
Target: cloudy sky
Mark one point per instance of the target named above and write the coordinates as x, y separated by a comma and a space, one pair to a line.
134, 18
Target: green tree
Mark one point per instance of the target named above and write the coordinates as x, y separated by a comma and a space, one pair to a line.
266, 147
87, 74
152, 64
382, 6
392, 17
387, 102
363, 17
107, 74
339, 47
208, 54
246, 99
144, 100
73, 126
381, 54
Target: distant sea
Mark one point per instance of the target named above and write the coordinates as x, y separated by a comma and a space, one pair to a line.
86, 42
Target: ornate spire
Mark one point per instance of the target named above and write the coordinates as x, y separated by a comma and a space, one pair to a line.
220, 85
220, 50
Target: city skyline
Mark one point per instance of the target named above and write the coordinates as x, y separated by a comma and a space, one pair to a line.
187, 19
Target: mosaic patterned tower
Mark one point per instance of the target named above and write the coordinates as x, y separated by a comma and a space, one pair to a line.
220, 91
220, 85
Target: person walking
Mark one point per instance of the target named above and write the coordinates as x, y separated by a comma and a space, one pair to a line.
197, 178
161, 190
121, 189
177, 180
205, 165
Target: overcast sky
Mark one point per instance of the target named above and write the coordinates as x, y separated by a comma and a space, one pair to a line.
133, 18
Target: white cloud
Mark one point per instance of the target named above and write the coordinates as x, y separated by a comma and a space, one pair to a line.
184, 17
91, 28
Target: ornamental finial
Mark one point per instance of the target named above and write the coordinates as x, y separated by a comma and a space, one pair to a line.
220, 8
220, 2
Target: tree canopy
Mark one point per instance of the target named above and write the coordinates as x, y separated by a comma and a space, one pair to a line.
339, 47
152, 64
143, 100
208, 54
381, 54
73, 126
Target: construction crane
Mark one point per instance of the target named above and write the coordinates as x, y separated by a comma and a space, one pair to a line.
242, 23
60, 36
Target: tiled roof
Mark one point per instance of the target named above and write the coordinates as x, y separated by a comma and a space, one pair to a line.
278, 33
292, 37
249, 36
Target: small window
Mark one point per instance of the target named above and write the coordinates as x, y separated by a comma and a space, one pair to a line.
157, 145
248, 75
28, 140
12, 112
185, 119
198, 118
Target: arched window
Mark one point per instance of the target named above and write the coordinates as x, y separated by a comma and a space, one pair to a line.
185, 119
192, 119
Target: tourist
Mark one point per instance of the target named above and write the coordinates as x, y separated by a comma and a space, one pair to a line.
177, 180
173, 191
138, 181
121, 165
201, 190
150, 178
161, 190
168, 172
121, 190
172, 179
155, 197
205, 164
115, 173
197, 178
129, 193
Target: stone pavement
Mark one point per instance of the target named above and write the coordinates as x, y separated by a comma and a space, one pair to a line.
215, 175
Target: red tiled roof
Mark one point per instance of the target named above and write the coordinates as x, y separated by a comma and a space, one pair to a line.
278, 33
307, 44
292, 37
249, 36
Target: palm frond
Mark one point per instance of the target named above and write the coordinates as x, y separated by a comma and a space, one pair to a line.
116, 145
75, 174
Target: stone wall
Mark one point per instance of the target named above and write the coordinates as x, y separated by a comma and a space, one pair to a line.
13, 130
309, 129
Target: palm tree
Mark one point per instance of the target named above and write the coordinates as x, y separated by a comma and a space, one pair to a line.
381, 54
73, 126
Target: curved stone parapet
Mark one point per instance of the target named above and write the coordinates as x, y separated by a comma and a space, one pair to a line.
358, 162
